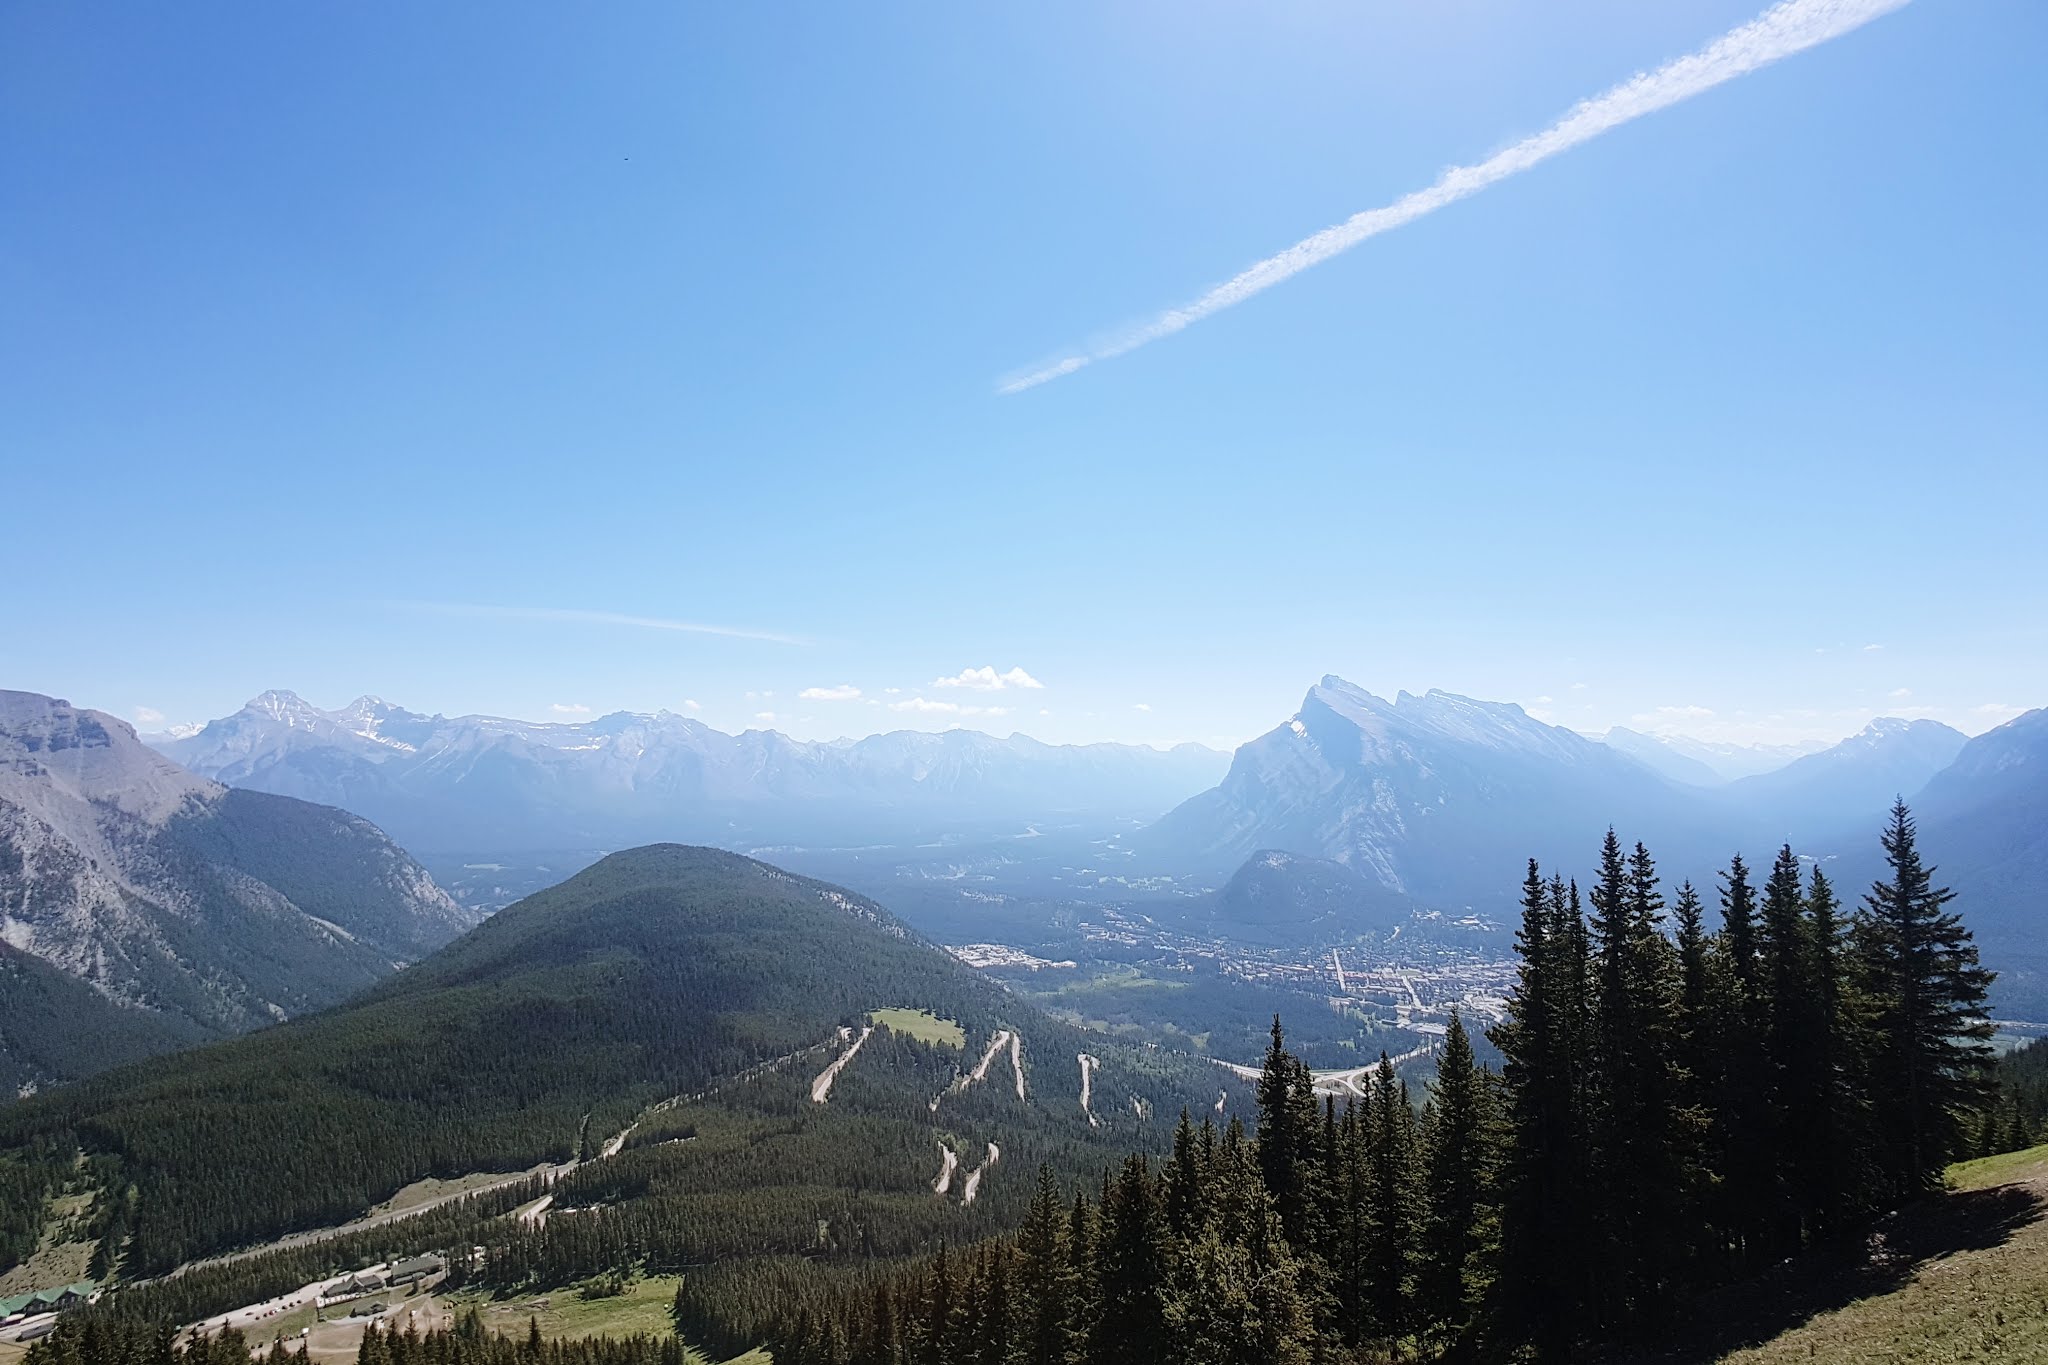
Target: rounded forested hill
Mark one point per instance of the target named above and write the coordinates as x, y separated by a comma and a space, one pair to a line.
534, 1037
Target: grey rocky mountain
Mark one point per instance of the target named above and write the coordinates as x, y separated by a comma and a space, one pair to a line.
1849, 785
1437, 798
192, 908
442, 784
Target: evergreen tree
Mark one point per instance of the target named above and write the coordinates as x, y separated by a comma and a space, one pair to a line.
1833, 1169
1749, 1187
1540, 1303
1392, 1208
1044, 1280
1130, 1266
1930, 1040
1453, 1275
1186, 1205
1704, 1012
1287, 1130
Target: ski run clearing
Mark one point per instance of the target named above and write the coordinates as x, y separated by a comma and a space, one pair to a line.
1088, 1065
972, 1185
1003, 1038
949, 1162
821, 1089
1350, 1083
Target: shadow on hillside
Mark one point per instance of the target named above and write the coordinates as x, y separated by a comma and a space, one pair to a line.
1759, 1310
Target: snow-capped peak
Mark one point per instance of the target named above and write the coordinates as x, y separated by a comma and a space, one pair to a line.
283, 705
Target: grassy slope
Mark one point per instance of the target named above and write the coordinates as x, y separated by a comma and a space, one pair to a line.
1970, 1283
922, 1025
643, 1309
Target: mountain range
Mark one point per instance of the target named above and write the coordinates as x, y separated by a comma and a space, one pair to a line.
1437, 800
1431, 801
1700, 763
146, 907
486, 784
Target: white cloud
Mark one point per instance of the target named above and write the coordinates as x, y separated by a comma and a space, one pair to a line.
892, 691
147, 715
1778, 32
843, 692
1900, 693
1579, 687
988, 680
691, 705
1998, 712
1144, 706
766, 716
1542, 701
569, 708
1872, 649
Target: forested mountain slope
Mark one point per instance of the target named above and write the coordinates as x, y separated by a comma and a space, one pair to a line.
190, 909
534, 1037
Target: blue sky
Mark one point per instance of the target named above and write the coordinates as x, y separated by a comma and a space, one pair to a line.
324, 324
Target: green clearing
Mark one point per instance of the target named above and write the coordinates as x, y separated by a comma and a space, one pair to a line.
433, 1189
60, 1257
1995, 1170
922, 1025
1116, 979
642, 1310
1978, 1294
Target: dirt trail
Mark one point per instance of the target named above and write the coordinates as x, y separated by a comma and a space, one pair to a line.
1003, 1038
972, 1185
950, 1162
1088, 1065
548, 1174
1350, 1082
1017, 1061
821, 1088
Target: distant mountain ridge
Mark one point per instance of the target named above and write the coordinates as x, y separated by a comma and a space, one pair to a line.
481, 782
1439, 799
1888, 758
1425, 796
191, 909
1704, 763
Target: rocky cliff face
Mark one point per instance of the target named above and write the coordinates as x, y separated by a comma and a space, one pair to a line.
175, 897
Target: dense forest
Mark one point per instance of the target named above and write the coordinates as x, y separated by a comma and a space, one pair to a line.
535, 1037
2018, 1117
98, 1342
1678, 1109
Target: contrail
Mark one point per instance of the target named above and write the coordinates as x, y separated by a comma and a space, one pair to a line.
600, 618
1778, 32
